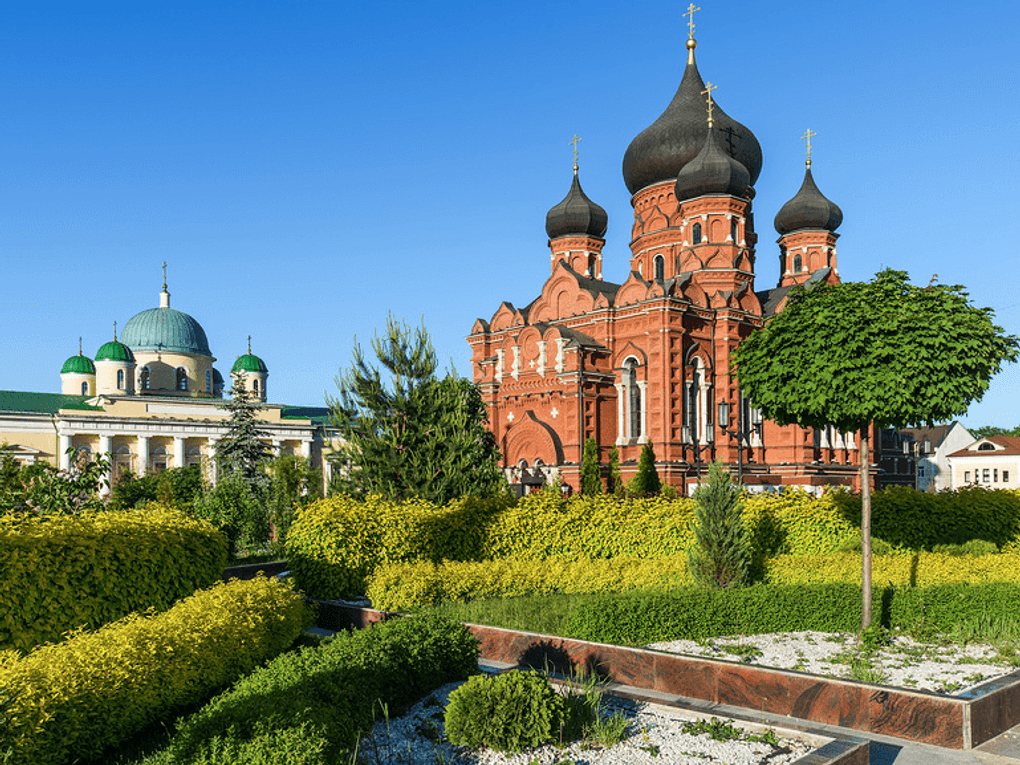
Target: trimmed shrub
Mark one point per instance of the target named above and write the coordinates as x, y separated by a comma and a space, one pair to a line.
903, 570
507, 712
68, 572
404, 586
77, 698
318, 700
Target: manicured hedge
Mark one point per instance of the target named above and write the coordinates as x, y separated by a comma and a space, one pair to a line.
336, 544
77, 698
641, 618
65, 572
404, 586
309, 706
922, 569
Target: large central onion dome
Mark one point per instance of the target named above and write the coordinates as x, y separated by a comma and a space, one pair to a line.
165, 329
678, 135
576, 215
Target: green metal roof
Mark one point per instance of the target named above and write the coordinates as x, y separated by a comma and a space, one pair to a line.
167, 330
115, 351
79, 364
249, 362
45, 403
317, 414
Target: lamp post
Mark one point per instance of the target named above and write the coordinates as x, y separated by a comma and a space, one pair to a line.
742, 431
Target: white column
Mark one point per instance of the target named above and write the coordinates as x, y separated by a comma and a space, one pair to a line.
306, 449
143, 455
211, 459
105, 447
178, 451
499, 364
277, 447
643, 387
515, 367
65, 443
541, 357
621, 419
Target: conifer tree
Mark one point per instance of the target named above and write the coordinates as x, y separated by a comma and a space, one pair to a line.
591, 478
614, 483
722, 553
242, 450
646, 480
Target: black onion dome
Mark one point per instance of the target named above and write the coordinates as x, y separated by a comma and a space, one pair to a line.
675, 138
808, 209
713, 171
576, 215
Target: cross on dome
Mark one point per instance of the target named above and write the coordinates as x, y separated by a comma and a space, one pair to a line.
707, 92
690, 19
807, 137
574, 143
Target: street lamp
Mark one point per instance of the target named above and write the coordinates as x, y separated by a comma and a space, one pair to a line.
741, 432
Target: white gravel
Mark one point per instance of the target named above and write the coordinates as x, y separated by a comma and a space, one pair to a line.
654, 736
949, 669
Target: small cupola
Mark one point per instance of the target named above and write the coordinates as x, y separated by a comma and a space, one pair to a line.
712, 172
576, 215
78, 375
809, 209
253, 371
115, 365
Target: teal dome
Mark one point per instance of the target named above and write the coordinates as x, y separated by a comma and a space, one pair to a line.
79, 364
250, 363
115, 351
165, 329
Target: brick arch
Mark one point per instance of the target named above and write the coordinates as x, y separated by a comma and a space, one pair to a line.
531, 439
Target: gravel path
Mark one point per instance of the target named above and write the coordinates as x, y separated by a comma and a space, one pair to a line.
654, 735
948, 669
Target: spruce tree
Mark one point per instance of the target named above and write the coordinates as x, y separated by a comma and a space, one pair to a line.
242, 450
614, 483
646, 480
722, 552
591, 475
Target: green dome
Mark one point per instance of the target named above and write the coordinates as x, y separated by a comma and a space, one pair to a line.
249, 362
165, 329
115, 351
79, 364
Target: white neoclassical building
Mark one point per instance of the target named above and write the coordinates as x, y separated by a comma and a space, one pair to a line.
151, 401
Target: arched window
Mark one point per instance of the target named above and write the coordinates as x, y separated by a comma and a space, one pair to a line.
660, 268
182, 378
85, 389
143, 378
591, 266
633, 398
255, 386
120, 379
986, 447
696, 234
733, 230
208, 381
798, 263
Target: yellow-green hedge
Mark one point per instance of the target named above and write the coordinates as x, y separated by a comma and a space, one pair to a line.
64, 572
402, 586
923, 569
336, 544
76, 698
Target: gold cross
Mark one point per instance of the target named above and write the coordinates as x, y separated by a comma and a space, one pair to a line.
690, 13
249, 345
708, 92
574, 143
164, 276
807, 137
115, 332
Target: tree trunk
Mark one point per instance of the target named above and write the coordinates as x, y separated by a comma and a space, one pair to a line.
865, 527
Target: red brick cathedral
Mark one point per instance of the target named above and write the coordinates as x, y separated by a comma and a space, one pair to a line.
647, 361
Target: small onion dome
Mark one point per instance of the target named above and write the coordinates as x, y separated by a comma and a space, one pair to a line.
808, 209
115, 351
576, 215
675, 138
81, 365
249, 362
713, 171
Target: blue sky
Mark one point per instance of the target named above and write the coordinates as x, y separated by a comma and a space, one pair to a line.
307, 168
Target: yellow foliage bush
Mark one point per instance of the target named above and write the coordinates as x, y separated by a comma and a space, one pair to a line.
402, 586
922, 569
65, 572
74, 699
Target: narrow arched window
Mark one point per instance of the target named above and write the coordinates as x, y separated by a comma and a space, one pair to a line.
143, 379
255, 386
660, 268
182, 378
696, 234
798, 263
84, 389
120, 379
733, 230
591, 266
633, 398
208, 381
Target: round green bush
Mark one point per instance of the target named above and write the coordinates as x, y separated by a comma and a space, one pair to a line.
507, 712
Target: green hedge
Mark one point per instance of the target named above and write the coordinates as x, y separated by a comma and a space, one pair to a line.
65, 572
336, 544
309, 706
77, 698
690, 614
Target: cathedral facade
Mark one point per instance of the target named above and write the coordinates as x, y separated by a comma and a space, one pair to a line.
646, 361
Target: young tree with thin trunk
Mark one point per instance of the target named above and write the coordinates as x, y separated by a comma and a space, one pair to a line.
591, 478
883, 353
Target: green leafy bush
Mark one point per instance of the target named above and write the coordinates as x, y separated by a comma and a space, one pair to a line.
77, 698
65, 572
318, 700
508, 712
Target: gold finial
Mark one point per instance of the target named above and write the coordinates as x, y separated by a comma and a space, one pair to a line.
164, 276
249, 345
115, 331
707, 92
574, 143
807, 137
